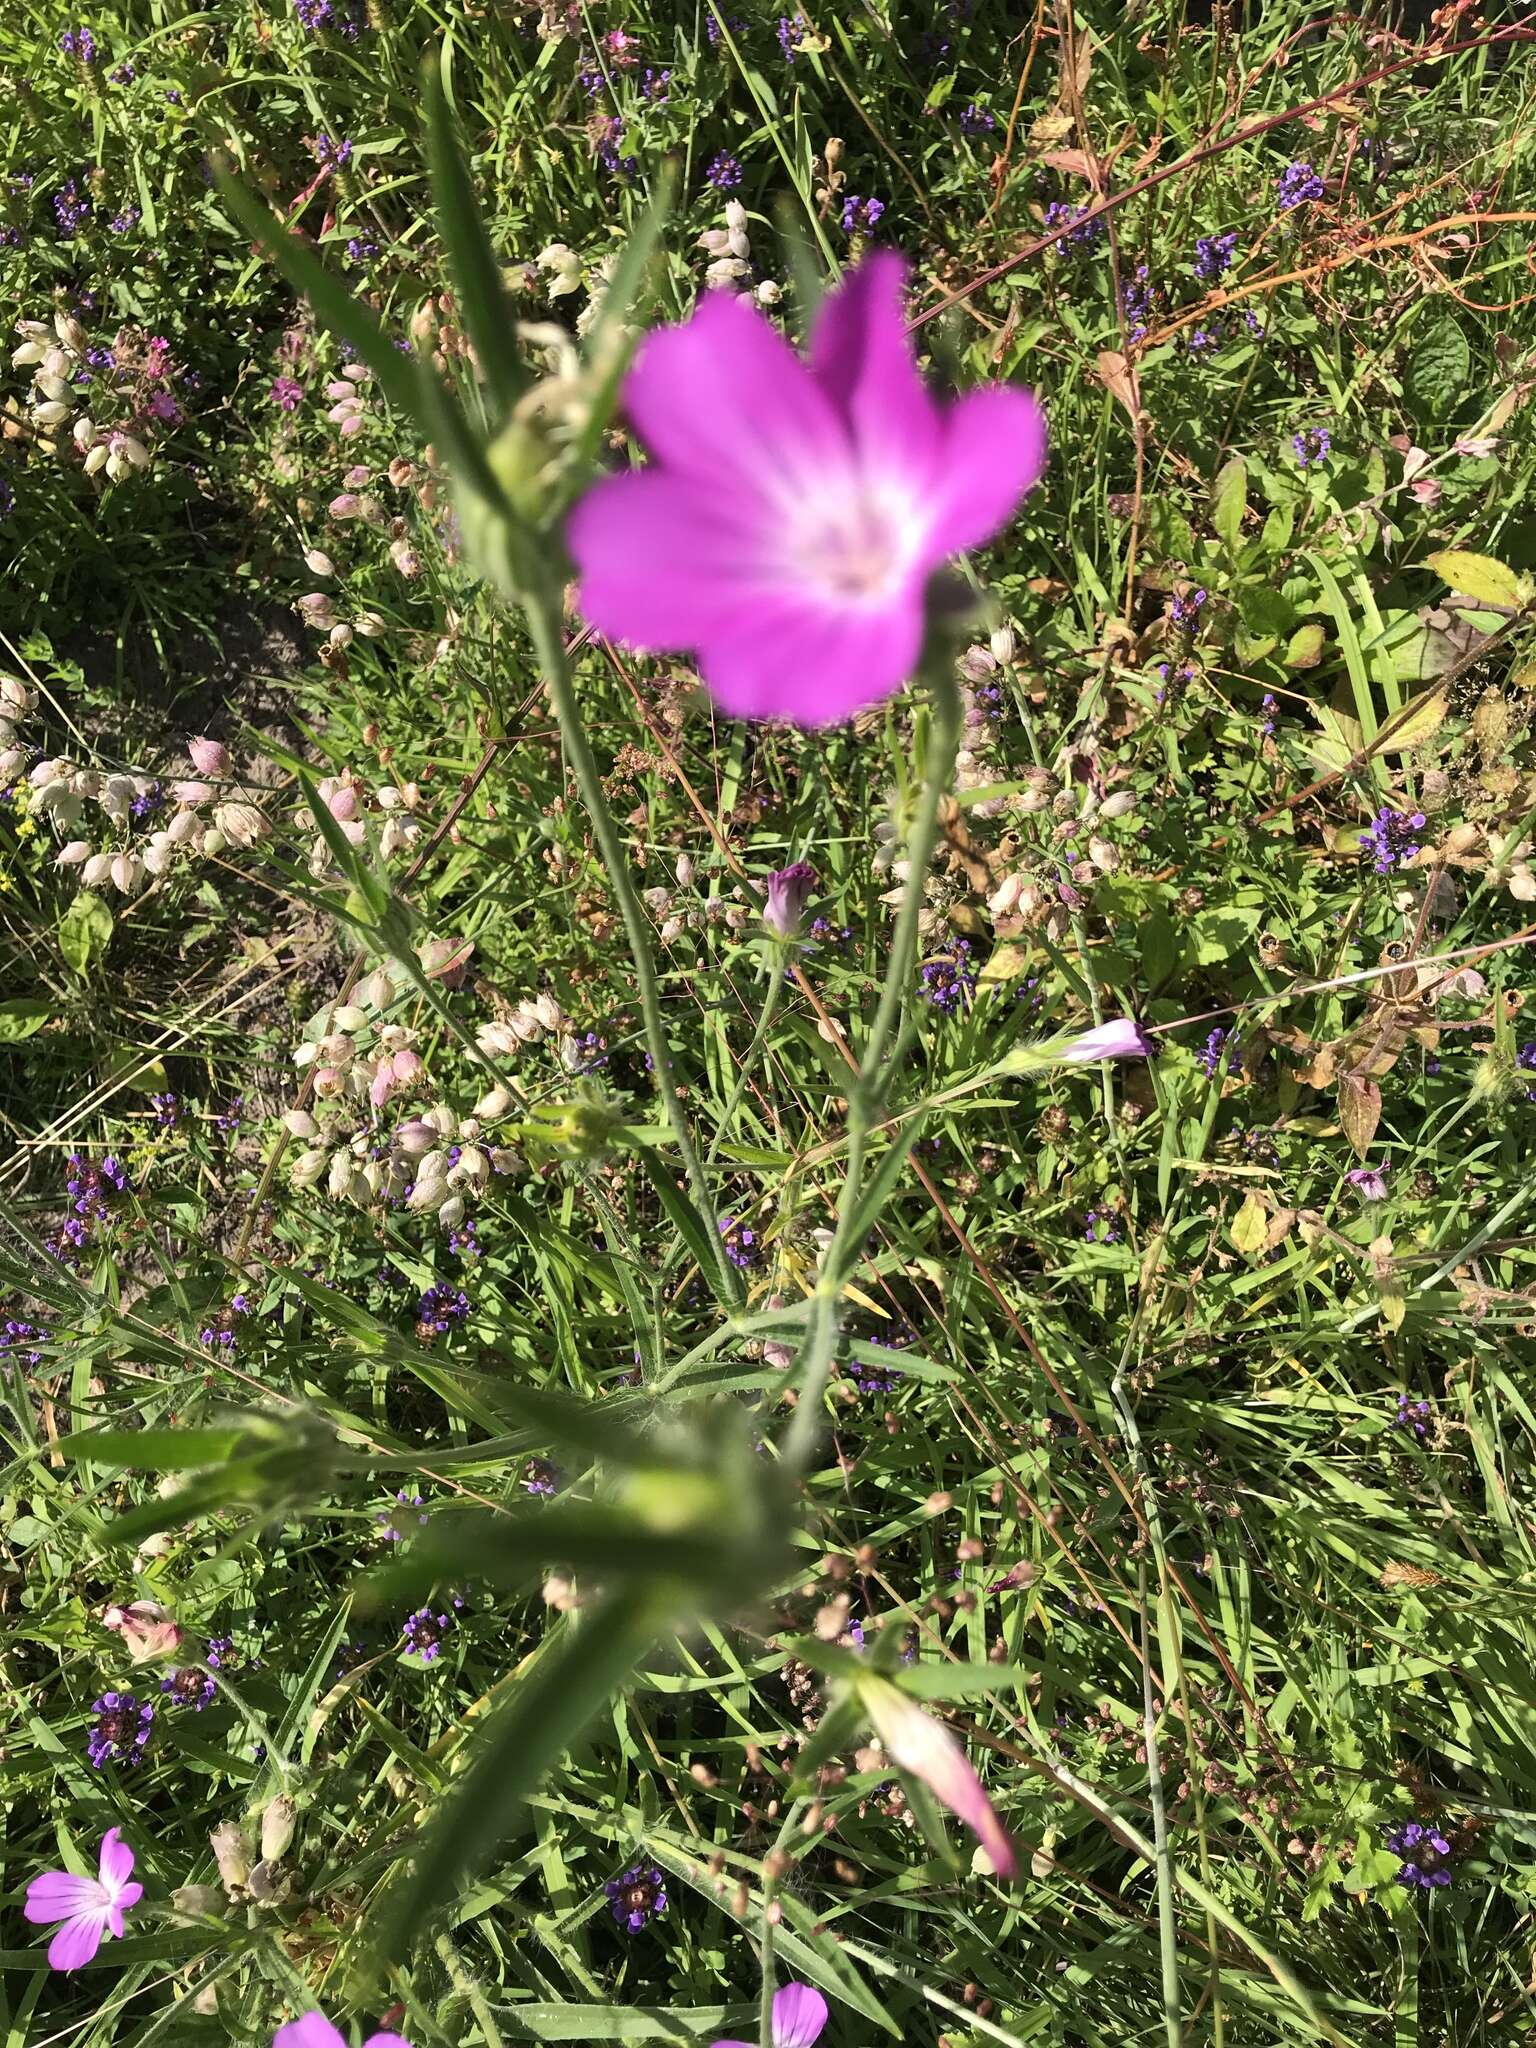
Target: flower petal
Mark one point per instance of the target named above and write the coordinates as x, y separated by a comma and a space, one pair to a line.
386, 2041
76, 1941
116, 1859
312, 2030
661, 563
1120, 1039
994, 450
861, 358
799, 2014
725, 399
59, 1895
916, 1743
813, 665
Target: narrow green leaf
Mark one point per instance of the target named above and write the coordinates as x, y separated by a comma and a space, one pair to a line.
483, 303
578, 1666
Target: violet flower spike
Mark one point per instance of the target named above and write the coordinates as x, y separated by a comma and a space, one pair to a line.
789, 890
314, 2030
91, 1908
795, 510
799, 2015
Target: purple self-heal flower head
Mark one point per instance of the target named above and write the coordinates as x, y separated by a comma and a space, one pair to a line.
1425, 1853
862, 216
789, 890
636, 1896
314, 2030
1311, 446
122, 1730
795, 510
91, 1908
798, 2018
725, 172
1298, 182
1213, 256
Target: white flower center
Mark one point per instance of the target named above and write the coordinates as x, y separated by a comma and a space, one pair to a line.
857, 545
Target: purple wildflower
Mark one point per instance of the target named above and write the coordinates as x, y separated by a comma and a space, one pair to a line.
540, 1478
1369, 1182
286, 394
167, 1110
1311, 446
79, 42
789, 889
740, 1241
122, 1730
71, 207
331, 151
1389, 838
439, 1309
120, 223
790, 30
976, 120
1425, 1853
861, 216
122, 74
637, 1896
949, 981
1138, 300
1062, 214
1220, 1050
395, 1522
1298, 182
189, 1687
871, 1378
1187, 606
1213, 256
725, 172
1412, 1417
1268, 709
424, 1632
1099, 1228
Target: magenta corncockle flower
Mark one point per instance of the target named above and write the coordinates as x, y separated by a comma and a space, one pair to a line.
799, 2015
91, 1908
314, 2030
795, 510
1121, 1039
925, 1749
789, 890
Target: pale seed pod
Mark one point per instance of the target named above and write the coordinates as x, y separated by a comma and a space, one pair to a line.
350, 1018
1120, 805
71, 856
300, 1124
96, 870
494, 1103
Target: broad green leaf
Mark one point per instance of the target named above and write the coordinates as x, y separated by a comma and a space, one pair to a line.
22, 1016
1419, 721
1229, 501
1440, 365
1306, 646
85, 931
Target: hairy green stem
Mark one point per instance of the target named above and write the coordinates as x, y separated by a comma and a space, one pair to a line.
765, 1019
469, 1990
863, 1107
543, 611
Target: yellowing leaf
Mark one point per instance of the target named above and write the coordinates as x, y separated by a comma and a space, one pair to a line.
1420, 721
1004, 964
1250, 1225
1306, 647
1480, 577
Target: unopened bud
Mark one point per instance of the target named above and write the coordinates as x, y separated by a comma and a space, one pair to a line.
277, 1825
231, 1854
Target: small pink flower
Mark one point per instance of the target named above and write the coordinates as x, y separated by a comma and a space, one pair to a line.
799, 2015
925, 1749
208, 757
314, 2030
90, 1907
795, 511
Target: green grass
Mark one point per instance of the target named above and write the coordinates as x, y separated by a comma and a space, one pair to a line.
1209, 1614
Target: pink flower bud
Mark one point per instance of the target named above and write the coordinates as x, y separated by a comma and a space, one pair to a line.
208, 757
342, 802
1122, 1039
406, 1065
146, 1628
925, 1749
346, 505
